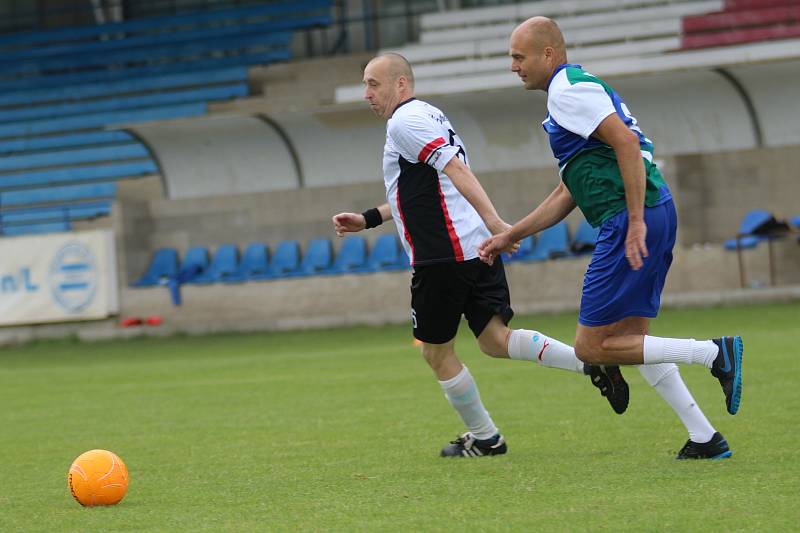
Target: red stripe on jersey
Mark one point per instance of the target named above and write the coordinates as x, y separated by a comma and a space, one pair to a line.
428, 148
451, 231
406, 234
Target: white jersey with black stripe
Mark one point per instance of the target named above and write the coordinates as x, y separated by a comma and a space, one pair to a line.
435, 222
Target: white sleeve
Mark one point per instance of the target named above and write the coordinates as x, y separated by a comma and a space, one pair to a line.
421, 140
581, 107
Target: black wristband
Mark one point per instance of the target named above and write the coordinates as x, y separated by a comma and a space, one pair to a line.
372, 217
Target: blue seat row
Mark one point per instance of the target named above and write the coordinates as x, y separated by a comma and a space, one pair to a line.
163, 24
77, 211
81, 173
98, 120
64, 140
555, 243
37, 228
134, 72
47, 219
287, 261
184, 51
82, 91
184, 96
119, 152
58, 194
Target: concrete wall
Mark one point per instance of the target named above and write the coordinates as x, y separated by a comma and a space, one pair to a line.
716, 190
700, 276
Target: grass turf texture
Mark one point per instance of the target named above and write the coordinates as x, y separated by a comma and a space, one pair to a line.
340, 430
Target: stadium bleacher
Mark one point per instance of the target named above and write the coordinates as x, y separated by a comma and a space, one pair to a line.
63, 88
743, 21
467, 50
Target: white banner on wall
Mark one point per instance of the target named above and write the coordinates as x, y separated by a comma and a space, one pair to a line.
58, 277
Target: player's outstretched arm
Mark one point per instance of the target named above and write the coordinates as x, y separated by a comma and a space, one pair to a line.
355, 222
553, 209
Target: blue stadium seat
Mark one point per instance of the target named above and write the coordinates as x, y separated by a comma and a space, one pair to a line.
386, 254
551, 243
156, 25
62, 176
67, 193
352, 256
224, 265
163, 267
182, 51
37, 228
118, 74
525, 250
194, 268
99, 120
89, 138
181, 96
286, 259
132, 150
55, 213
753, 227
585, 238
254, 264
139, 84
317, 259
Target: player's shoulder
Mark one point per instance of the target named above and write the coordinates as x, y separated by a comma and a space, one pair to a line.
574, 79
415, 114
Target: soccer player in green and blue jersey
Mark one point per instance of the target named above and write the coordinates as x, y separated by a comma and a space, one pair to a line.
607, 170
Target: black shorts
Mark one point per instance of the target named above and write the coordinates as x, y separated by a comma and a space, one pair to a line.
441, 293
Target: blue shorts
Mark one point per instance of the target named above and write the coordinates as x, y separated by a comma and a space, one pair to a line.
611, 289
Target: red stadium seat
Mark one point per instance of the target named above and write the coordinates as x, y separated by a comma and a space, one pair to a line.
742, 21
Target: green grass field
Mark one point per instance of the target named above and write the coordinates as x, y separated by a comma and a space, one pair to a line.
340, 430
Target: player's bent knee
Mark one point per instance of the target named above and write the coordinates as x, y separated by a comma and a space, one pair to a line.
588, 352
437, 355
493, 346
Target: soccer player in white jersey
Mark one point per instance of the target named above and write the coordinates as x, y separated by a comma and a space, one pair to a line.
607, 170
442, 213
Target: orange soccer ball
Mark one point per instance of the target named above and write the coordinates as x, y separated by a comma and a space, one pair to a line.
98, 477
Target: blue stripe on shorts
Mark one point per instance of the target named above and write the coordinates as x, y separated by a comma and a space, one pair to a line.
611, 289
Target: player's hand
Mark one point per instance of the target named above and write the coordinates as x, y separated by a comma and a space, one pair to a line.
500, 227
635, 247
495, 245
348, 223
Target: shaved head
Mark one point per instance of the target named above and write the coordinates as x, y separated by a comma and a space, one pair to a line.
395, 65
542, 32
388, 81
537, 48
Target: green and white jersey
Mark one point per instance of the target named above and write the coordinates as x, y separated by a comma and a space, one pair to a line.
577, 102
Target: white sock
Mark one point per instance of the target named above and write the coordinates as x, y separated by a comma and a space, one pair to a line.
534, 346
667, 381
682, 351
462, 393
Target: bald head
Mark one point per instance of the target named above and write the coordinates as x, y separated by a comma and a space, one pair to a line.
542, 32
537, 48
388, 81
394, 66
